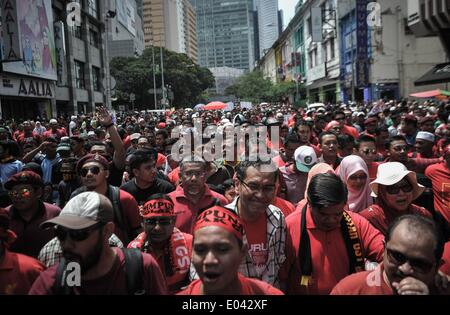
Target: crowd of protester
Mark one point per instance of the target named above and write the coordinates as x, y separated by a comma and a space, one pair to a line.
354, 199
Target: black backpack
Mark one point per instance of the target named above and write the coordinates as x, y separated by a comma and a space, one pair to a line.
133, 270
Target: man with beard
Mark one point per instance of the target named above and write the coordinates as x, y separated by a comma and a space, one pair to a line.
93, 170
171, 248
83, 229
193, 195
264, 224
325, 243
27, 212
411, 260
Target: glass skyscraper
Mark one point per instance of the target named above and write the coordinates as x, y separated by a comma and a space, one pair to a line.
226, 33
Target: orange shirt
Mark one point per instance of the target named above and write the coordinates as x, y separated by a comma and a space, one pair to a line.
285, 206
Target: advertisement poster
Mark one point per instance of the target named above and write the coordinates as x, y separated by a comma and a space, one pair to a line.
126, 14
35, 20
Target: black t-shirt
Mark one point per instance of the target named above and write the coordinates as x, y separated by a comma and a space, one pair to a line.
115, 175
159, 186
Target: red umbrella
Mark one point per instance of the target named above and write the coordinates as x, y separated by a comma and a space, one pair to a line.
215, 106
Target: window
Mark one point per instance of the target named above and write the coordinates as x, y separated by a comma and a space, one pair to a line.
77, 31
92, 8
96, 78
93, 38
309, 23
332, 52
79, 74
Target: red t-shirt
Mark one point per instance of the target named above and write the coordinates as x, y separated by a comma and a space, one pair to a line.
373, 169
364, 283
249, 286
258, 248
285, 206
278, 161
440, 178
114, 282
131, 216
328, 252
351, 131
381, 219
17, 273
445, 268
174, 176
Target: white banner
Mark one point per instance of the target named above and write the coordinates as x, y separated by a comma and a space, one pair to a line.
11, 31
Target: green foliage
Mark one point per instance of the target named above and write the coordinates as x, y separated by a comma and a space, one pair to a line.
255, 88
135, 75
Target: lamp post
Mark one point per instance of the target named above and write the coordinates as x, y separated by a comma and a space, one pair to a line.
108, 15
154, 77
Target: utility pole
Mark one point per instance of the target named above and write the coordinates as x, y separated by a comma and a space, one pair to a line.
162, 79
154, 76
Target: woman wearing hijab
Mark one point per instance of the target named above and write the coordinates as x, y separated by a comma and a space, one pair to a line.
353, 172
320, 168
395, 189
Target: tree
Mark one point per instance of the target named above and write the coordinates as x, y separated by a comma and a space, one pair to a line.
135, 75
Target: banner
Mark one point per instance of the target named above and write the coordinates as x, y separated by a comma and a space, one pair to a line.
316, 22
10, 28
60, 45
362, 64
35, 36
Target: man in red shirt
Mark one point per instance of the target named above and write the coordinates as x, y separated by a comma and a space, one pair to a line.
365, 147
193, 195
264, 224
83, 229
325, 243
440, 179
27, 212
17, 271
219, 228
411, 261
171, 248
54, 131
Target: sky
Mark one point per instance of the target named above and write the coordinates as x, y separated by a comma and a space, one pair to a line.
288, 7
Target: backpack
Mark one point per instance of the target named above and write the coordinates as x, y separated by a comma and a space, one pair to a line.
133, 271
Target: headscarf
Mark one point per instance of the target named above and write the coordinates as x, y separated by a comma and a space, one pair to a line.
361, 199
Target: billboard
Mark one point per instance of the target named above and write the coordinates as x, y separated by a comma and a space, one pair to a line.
126, 15
36, 35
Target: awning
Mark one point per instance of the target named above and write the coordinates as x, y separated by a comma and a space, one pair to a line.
438, 74
430, 94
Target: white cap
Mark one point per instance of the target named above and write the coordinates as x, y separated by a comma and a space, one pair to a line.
425, 135
135, 136
305, 158
53, 121
91, 133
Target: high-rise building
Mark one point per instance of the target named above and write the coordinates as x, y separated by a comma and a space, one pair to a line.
170, 24
268, 24
226, 33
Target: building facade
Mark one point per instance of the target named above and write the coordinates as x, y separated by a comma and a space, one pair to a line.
170, 24
395, 56
268, 24
226, 33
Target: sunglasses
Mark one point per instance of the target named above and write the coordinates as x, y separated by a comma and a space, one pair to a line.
75, 235
406, 187
94, 170
23, 193
419, 265
161, 222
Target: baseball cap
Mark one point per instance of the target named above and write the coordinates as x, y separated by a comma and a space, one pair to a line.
135, 136
305, 158
83, 211
425, 135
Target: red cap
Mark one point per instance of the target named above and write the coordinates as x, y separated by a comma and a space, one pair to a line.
92, 158
24, 178
370, 120
161, 125
224, 218
157, 208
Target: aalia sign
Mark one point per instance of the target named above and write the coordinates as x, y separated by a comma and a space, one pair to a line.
27, 87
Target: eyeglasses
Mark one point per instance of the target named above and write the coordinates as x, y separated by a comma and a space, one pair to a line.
398, 259
75, 235
94, 170
190, 174
270, 189
406, 187
22, 193
160, 222
369, 151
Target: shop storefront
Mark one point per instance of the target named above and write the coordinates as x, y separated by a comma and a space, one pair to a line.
26, 97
